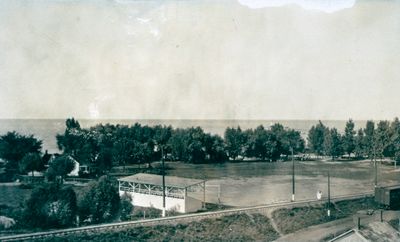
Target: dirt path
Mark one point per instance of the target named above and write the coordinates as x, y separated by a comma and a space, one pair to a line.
271, 218
319, 232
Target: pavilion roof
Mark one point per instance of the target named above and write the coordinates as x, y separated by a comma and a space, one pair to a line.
170, 181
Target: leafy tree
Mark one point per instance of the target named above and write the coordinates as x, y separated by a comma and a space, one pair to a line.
288, 138
263, 144
333, 143
214, 148
235, 142
71, 123
143, 152
369, 132
195, 145
14, 146
60, 167
101, 202
359, 149
349, 138
382, 138
73, 138
394, 131
50, 206
177, 144
295, 141
104, 160
395, 139
122, 151
316, 136
162, 134
32, 162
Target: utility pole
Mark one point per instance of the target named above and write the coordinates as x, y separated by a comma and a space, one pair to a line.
329, 195
163, 179
293, 181
376, 173
375, 166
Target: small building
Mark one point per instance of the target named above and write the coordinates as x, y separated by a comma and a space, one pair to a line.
388, 196
146, 190
75, 171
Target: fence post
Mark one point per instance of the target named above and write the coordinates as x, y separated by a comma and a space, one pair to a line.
359, 223
381, 215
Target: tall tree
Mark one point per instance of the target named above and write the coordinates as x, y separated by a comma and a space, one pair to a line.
316, 136
369, 132
73, 138
295, 141
349, 137
395, 138
382, 138
394, 132
359, 149
177, 144
235, 142
333, 143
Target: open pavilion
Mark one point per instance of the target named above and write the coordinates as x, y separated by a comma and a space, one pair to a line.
146, 190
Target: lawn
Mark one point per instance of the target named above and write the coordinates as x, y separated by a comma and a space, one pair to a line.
13, 195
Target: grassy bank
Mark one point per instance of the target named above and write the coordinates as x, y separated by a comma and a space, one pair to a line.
289, 220
241, 227
395, 224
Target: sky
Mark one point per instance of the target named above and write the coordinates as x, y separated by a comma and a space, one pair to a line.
243, 59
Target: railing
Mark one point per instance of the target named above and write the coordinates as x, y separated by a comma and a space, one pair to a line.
151, 192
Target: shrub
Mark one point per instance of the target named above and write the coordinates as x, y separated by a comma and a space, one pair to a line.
50, 206
126, 207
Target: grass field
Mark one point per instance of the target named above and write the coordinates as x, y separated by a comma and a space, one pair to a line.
241, 227
13, 195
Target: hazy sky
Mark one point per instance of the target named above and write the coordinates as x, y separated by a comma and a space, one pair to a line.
245, 59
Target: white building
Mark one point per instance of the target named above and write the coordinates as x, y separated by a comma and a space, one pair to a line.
146, 191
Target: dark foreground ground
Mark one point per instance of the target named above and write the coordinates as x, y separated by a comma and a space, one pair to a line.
241, 227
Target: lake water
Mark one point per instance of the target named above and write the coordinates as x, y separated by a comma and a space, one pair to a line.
46, 129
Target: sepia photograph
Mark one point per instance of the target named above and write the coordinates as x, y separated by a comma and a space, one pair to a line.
200, 120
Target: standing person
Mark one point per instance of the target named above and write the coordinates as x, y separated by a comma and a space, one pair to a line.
319, 195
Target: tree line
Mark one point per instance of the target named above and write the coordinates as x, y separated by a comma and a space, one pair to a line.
106, 145
381, 140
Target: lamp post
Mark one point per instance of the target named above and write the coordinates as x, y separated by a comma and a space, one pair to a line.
160, 147
293, 181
